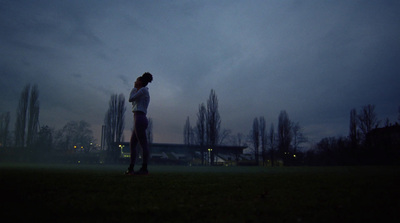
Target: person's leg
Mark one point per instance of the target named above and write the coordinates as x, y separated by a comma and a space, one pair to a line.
133, 143
140, 130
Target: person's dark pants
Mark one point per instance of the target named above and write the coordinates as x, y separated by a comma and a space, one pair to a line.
139, 136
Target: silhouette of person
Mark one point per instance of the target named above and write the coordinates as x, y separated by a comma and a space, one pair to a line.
140, 99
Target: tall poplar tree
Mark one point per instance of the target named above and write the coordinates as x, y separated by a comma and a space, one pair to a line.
256, 139
213, 123
20, 123
368, 119
263, 139
353, 133
284, 134
272, 143
201, 129
33, 117
187, 132
114, 122
4, 125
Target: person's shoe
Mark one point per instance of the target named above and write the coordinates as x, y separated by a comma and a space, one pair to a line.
142, 172
129, 172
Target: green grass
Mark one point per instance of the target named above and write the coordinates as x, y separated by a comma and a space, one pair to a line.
82, 193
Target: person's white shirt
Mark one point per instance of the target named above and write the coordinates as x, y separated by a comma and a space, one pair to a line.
140, 99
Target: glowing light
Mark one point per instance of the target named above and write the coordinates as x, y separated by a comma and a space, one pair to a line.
209, 156
294, 155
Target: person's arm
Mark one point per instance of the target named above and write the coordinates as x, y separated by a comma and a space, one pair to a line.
135, 94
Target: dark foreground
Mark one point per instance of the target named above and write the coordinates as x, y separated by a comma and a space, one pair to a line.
79, 193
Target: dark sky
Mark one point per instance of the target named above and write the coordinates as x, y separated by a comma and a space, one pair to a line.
315, 59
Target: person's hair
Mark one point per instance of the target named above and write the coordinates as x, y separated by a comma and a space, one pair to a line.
146, 78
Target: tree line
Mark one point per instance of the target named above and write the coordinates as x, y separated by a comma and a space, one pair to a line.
27, 120
208, 134
284, 145
369, 141
31, 141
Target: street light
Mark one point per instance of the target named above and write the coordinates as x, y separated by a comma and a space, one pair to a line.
209, 155
122, 149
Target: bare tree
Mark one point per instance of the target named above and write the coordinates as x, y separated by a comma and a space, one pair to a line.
110, 121
272, 143
298, 136
353, 133
284, 134
224, 135
263, 139
201, 129
387, 122
69, 135
20, 123
256, 139
398, 116
33, 116
84, 135
45, 139
4, 125
120, 125
238, 141
368, 119
77, 136
213, 123
239, 138
114, 123
187, 132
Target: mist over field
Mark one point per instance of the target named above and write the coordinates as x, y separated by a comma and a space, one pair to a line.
66, 193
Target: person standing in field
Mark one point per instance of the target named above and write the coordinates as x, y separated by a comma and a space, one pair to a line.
140, 99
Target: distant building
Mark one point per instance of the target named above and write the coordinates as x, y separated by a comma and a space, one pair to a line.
387, 137
164, 153
384, 144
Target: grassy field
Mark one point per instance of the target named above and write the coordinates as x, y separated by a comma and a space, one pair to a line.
82, 193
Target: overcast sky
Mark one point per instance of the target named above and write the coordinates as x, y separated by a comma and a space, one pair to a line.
315, 59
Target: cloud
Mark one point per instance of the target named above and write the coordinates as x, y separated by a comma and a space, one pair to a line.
316, 60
